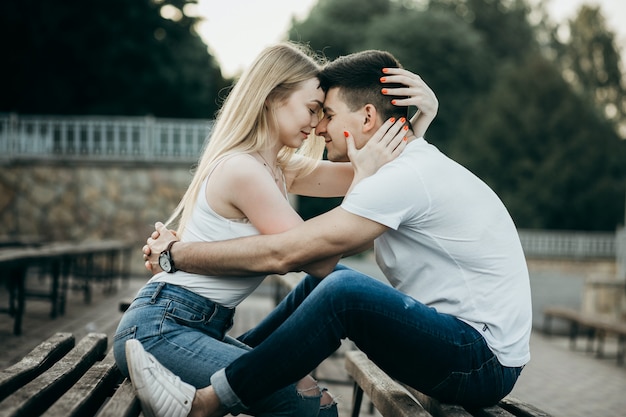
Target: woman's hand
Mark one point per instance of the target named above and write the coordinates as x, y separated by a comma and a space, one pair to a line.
384, 146
415, 93
155, 244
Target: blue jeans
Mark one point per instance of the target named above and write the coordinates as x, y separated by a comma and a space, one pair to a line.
187, 334
435, 353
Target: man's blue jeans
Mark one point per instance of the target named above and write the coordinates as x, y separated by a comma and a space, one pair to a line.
435, 353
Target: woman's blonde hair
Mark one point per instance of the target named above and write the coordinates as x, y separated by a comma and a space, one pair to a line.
247, 120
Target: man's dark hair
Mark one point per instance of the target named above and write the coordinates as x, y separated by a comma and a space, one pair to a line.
357, 76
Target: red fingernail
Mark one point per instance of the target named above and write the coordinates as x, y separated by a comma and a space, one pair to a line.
345, 133
385, 70
405, 127
393, 102
384, 91
383, 79
392, 120
402, 120
404, 139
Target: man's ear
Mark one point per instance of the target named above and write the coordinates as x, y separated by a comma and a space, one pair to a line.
370, 122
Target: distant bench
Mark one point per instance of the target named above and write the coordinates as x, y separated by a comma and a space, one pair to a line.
83, 262
393, 399
595, 327
61, 379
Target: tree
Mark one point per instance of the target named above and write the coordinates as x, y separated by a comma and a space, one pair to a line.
503, 24
446, 52
591, 63
334, 28
106, 57
505, 110
554, 161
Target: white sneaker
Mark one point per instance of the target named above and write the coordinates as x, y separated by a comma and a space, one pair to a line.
160, 392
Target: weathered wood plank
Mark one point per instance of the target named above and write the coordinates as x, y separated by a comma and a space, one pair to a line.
435, 408
36, 396
88, 394
521, 409
35, 363
124, 403
393, 399
494, 411
389, 398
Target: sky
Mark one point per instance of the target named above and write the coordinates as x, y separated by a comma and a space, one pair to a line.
237, 30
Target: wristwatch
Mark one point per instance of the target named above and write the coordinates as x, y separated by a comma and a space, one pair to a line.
165, 259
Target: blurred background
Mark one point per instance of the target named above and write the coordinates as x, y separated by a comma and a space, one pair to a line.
106, 105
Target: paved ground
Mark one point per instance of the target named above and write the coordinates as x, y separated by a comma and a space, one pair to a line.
561, 382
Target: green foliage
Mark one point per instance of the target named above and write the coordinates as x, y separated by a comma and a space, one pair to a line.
334, 28
105, 57
505, 110
555, 163
445, 51
591, 62
502, 23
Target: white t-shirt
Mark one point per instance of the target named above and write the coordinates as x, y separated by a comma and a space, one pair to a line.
451, 245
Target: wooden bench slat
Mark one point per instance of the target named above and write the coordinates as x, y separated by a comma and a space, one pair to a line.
386, 395
586, 319
36, 396
521, 409
435, 408
89, 393
596, 328
124, 403
35, 363
494, 411
383, 391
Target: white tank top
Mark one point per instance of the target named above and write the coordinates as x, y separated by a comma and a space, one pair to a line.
205, 225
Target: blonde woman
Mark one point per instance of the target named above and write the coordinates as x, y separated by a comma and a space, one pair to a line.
262, 146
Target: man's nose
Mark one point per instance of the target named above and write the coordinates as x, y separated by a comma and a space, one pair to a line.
320, 128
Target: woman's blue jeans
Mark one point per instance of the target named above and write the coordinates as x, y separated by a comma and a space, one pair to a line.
187, 334
435, 353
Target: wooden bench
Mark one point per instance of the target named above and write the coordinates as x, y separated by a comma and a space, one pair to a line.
58, 260
596, 329
62, 379
393, 399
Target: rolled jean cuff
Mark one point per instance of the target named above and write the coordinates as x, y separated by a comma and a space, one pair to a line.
230, 401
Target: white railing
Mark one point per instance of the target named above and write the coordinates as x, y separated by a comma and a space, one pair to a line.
568, 244
106, 138
621, 253
133, 139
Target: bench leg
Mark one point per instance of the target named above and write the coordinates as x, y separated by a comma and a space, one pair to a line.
18, 293
55, 273
600, 344
357, 399
621, 349
573, 333
591, 334
547, 325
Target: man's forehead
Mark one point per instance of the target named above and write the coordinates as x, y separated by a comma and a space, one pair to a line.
333, 100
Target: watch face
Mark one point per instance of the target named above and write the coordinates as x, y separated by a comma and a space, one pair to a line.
164, 263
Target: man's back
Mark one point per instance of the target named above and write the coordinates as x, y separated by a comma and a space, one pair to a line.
451, 244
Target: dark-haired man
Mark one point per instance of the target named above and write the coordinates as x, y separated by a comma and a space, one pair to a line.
455, 322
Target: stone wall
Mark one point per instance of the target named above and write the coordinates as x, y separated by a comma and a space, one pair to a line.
54, 201
80, 202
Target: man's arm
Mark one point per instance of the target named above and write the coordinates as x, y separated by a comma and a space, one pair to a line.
330, 234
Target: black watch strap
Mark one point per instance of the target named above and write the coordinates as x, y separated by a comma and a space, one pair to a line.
168, 253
